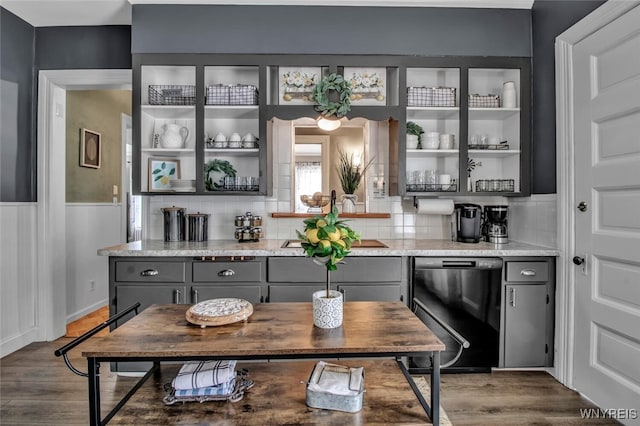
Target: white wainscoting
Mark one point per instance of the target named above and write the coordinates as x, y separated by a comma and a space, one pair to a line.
89, 228
18, 276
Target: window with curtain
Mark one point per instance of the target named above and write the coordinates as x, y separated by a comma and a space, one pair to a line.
308, 180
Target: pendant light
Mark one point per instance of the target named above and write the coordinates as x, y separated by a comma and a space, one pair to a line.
328, 123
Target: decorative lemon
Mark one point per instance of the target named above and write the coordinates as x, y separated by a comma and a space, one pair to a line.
335, 235
326, 246
164, 180
321, 223
312, 235
342, 243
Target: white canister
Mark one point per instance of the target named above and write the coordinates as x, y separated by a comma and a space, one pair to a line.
446, 141
509, 94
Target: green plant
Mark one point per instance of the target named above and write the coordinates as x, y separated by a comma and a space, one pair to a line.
217, 165
327, 240
349, 172
417, 130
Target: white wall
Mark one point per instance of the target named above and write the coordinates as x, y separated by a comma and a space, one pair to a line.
18, 276
89, 228
534, 220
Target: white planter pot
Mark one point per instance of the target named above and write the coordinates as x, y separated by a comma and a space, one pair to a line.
412, 141
327, 311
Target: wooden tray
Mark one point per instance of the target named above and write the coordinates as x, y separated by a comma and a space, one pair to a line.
215, 312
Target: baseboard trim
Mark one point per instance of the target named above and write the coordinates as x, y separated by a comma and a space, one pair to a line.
79, 314
13, 343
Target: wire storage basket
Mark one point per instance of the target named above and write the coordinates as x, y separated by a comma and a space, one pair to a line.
172, 94
484, 101
431, 96
232, 94
495, 185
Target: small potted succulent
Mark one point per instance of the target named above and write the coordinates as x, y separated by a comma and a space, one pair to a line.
414, 135
327, 241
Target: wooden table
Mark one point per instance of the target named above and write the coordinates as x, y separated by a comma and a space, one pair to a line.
274, 331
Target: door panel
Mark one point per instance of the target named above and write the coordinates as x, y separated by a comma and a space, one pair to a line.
525, 305
606, 68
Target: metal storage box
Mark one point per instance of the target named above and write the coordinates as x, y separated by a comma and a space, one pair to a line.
336, 387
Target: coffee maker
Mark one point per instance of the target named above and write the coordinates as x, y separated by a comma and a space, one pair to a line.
468, 219
494, 226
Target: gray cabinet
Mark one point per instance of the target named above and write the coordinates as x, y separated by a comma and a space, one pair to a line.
358, 278
241, 279
527, 313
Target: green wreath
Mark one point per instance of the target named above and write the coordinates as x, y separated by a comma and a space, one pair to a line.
324, 106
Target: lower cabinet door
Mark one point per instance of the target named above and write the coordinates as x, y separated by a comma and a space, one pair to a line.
525, 325
373, 293
293, 293
252, 293
147, 295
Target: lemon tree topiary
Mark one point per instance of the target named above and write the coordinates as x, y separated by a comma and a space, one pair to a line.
327, 240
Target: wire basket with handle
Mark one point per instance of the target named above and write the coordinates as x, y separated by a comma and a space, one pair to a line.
172, 95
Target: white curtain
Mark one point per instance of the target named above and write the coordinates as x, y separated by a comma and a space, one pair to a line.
308, 181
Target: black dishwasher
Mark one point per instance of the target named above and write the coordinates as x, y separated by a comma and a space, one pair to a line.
458, 298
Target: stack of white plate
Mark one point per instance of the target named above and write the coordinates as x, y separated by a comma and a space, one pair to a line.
183, 185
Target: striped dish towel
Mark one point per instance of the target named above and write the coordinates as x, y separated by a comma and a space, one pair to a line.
223, 389
203, 374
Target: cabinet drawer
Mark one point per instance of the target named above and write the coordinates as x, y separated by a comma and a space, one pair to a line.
527, 271
370, 293
296, 270
293, 293
370, 269
252, 293
227, 272
148, 271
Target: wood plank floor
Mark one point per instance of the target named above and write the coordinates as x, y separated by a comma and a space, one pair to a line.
36, 388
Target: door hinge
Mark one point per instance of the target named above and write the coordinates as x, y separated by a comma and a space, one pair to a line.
547, 299
546, 348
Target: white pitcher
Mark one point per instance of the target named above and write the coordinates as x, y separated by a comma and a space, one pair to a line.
173, 136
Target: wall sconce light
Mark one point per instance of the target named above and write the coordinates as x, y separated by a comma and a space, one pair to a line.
328, 123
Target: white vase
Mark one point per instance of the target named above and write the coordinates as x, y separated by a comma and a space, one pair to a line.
349, 203
509, 95
412, 141
327, 311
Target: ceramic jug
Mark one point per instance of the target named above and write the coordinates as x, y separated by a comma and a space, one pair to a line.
173, 136
349, 203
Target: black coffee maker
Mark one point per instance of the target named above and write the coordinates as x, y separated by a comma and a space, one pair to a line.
494, 225
468, 220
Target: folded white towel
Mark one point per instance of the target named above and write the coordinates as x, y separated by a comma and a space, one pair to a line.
223, 389
202, 374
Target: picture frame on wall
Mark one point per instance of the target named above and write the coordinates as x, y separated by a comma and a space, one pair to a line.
90, 149
296, 84
161, 172
368, 85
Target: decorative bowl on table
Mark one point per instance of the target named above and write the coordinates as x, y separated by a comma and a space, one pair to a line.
315, 202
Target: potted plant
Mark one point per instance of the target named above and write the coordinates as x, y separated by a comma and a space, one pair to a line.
327, 241
414, 135
350, 173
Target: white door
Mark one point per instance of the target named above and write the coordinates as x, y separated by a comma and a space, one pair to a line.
606, 89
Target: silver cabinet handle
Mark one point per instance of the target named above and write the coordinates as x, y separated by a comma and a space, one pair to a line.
149, 273
344, 295
528, 273
194, 296
226, 273
513, 297
176, 296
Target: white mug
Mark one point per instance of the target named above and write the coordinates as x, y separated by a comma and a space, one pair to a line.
446, 141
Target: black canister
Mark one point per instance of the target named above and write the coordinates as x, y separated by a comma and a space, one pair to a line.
174, 223
198, 226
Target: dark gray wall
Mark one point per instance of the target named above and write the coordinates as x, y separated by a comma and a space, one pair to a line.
549, 19
330, 30
17, 152
104, 47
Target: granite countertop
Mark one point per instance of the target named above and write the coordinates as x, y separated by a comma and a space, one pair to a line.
274, 248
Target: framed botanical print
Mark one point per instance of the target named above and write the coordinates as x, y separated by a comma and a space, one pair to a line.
296, 84
161, 172
368, 85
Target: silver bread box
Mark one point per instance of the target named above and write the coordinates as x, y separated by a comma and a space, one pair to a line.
336, 387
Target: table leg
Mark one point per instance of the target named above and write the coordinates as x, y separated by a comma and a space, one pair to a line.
94, 391
435, 388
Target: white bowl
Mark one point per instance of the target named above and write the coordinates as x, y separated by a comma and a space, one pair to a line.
220, 138
235, 144
249, 137
235, 137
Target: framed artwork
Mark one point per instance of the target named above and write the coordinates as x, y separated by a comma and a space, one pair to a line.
161, 172
368, 85
296, 84
90, 149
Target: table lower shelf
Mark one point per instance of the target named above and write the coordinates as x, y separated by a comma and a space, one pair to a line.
278, 397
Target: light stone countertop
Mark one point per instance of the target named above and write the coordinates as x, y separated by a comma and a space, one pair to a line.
274, 248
